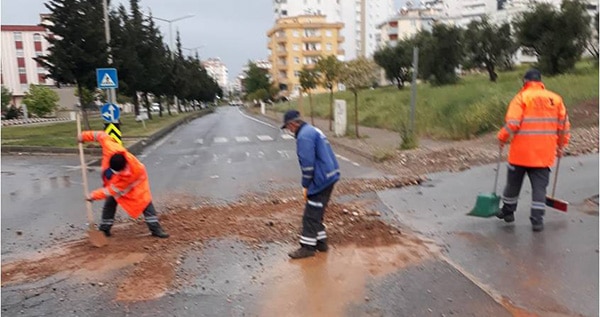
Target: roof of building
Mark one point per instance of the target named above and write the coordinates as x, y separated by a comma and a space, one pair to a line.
23, 28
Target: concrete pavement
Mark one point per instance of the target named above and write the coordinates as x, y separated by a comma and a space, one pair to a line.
552, 273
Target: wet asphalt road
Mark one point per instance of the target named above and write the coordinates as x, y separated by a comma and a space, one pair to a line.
226, 154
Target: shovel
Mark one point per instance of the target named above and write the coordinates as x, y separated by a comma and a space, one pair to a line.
97, 238
558, 204
488, 205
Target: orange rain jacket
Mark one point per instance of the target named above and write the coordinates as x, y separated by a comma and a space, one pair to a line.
537, 121
130, 187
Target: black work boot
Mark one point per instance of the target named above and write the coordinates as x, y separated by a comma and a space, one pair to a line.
507, 216
157, 230
304, 251
105, 229
322, 245
537, 220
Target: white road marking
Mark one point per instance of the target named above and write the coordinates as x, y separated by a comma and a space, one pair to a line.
343, 158
254, 119
242, 139
214, 176
283, 153
199, 141
355, 164
220, 140
264, 137
287, 137
215, 158
261, 154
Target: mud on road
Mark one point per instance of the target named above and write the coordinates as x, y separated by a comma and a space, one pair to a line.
254, 220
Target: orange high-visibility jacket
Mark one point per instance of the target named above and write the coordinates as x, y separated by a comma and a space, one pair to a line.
537, 121
130, 187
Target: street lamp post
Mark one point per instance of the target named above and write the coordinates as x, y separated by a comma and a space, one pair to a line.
171, 38
171, 26
111, 96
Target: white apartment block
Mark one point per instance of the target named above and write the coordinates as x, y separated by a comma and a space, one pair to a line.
360, 18
20, 44
406, 24
218, 71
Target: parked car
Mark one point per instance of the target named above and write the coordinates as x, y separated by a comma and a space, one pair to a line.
155, 107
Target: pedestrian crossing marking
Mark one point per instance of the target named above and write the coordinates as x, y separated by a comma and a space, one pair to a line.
199, 141
107, 81
220, 140
287, 137
264, 137
242, 139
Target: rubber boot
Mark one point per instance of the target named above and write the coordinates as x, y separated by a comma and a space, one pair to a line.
322, 245
304, 251
105, 229
157, 230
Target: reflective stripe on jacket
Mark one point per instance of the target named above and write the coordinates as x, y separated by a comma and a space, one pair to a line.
537, 121
317, 161
130, 187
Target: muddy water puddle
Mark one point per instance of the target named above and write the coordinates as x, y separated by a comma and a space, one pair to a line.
326, 284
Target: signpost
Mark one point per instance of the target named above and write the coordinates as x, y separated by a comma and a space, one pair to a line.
107, 78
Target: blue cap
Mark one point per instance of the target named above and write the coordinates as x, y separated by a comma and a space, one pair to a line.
290, 115
533, 75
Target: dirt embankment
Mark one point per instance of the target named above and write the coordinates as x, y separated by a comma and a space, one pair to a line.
276, 218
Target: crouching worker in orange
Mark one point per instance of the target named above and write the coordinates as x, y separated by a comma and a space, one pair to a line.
125, 183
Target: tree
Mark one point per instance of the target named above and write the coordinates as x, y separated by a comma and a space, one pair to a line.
396, 61
77, 43
309, 78
358, 74
6, 98
488, 45
256, 78
557, 37
41, 100
329, 67
440, 53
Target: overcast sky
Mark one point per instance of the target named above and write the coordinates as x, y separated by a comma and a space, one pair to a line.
234, 30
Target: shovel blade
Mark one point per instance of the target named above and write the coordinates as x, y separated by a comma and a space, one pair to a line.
558, 204
487, 205
97, 238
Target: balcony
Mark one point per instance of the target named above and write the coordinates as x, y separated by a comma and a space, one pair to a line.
341, 39
312, 53
282, 53
311, 39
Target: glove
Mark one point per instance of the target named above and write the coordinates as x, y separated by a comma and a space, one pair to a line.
305, 194
559, 152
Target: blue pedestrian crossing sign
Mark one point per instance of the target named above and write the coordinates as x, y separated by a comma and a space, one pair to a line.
110, 113
107, 78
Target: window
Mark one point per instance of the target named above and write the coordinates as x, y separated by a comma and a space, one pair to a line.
296, 47
20, 53
297, 60
329, 47
22, 70
311, 32
328, 33
295, 33
18, 36
296, 73
284, 12
37, 37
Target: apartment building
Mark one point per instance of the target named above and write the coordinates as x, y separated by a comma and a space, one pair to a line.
406, 24
298, 41
20, 44
359, 17
218, 71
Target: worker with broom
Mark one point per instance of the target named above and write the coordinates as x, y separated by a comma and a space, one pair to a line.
538, 124
125, 183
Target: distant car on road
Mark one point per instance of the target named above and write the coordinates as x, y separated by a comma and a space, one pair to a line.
155, 107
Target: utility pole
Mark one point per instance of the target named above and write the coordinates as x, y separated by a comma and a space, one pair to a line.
413, 90
111, 96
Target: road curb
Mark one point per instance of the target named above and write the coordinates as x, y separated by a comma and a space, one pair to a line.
135, 148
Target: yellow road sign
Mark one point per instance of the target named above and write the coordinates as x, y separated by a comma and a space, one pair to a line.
114, 132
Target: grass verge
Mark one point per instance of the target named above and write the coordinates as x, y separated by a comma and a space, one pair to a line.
472, 107
63, 134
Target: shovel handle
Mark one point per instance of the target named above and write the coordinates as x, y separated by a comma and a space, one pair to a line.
88, 204
497, 168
